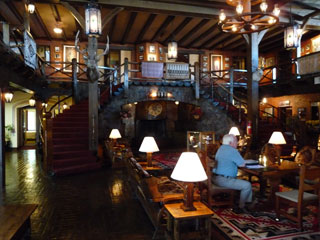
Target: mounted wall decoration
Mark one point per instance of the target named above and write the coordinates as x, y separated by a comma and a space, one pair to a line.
152, 49
69, 52
57, 49
216, 65
270, 62
141, 49
316, 44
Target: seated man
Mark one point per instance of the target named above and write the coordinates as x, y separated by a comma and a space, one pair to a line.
225, 174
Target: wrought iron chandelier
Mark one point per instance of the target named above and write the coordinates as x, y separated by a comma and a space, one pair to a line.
245, 21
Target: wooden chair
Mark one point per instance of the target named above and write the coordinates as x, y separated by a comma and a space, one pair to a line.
212, 194
299, 198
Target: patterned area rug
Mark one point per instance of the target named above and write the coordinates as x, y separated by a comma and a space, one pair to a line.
166, 160
262, 225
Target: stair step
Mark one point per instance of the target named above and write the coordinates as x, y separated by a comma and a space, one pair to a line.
70, 124
58, 140
73, 160
71, 119
69, 129
70, 147
76, 169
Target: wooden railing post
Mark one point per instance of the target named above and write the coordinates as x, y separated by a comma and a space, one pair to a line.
231, 85
126, 77
75, 90
48, 144
197, 78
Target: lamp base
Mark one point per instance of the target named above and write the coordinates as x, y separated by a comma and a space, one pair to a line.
188, 198
149, 159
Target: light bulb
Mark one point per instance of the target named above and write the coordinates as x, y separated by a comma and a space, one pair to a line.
253, 27
31, 8
239, 8
222, 15
57, 30
234, 28
263, 6
276, 10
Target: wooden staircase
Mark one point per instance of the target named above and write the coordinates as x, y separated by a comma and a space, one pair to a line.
70, 140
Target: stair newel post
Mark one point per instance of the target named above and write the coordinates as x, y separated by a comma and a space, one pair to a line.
197, 78
75, 90
126, 77
231, 71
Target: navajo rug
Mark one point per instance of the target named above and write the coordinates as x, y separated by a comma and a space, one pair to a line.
262, 225
166, 160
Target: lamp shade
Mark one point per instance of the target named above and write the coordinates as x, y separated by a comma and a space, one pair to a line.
32, 101
234, 131
189, 168
277, 138
8, 96
148, 145
115, 134
93, 20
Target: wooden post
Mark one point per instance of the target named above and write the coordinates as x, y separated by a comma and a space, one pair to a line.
75, 89
253, 84
231, 85
26, 17
126, 77
93, 76
38, 119
197, 78
2, 144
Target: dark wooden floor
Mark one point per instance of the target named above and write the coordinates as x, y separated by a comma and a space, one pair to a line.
93, 206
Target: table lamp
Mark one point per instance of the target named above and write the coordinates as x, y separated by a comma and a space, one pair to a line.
234, 131
149, 146
277, 139
114, 135
189, 169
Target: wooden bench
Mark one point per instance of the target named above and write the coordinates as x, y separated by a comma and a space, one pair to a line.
15, 221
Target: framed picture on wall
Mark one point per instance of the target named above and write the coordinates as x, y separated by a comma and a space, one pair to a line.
216, 65
316, 44
141, 49
270, 62
152, 49
69, 52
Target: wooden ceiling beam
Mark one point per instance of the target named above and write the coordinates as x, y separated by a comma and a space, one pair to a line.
231, 41
133, 16
110, 16
218, 41
77, 16
194, 30
203, 35
156, 7
178, 29
111, 30
304, 5
163, 26
43, 26
58, 19
14, 11
146, 27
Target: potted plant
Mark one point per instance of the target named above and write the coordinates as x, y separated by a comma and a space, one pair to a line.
9, 129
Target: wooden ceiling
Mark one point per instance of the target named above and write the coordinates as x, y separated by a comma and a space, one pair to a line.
193, 23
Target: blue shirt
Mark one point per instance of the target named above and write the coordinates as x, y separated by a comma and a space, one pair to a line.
228, 159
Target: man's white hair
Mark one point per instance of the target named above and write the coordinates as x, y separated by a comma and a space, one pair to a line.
228, 139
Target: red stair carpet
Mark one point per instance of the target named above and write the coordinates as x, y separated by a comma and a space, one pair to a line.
70, 137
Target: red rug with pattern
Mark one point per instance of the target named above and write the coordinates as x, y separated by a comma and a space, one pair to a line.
166, 160
262, 225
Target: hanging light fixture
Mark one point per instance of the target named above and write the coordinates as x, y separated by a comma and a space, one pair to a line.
172, 50
245, 21
93, 19
31, 7
32, 101
291, 36
8, 95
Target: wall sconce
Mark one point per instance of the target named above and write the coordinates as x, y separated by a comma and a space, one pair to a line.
31, 7
45, 105
8, 96
32, 101
172, 50
149, 146
93, 20
65, 106
189, 169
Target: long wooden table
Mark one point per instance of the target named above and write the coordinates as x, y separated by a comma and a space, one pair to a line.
15, 221
273, 173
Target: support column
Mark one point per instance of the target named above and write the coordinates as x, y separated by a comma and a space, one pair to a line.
126, 77
75, 89
253, 84
2, 144
197, 79
5, 33
93, 76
